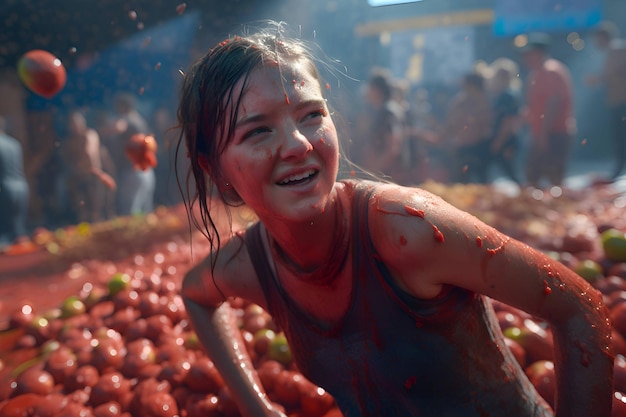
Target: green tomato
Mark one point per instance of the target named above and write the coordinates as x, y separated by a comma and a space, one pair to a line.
279, 350
614, 245
118, 282
72, 306
589, 270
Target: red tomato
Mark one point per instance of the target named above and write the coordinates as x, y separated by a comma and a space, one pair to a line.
508, 319
287, 388
618, 318
314, 401
619, 405
619, 373
21, 405
141, 150
269, 372
203, 376
35, 380
542, 376
519, 353
42, 72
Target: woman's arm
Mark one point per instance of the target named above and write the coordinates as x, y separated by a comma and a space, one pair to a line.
216, 328
443, 245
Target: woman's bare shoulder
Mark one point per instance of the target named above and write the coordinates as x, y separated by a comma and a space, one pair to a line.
407, 202
397, 212
226, 273
403, 228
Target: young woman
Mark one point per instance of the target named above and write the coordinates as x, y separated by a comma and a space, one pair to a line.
381, 290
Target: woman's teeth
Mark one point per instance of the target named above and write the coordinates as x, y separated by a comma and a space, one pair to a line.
297, 177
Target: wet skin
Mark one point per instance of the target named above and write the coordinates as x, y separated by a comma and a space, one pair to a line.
284, 132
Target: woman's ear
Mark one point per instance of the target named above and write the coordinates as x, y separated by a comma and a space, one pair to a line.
228, 193
203, 161
214, 174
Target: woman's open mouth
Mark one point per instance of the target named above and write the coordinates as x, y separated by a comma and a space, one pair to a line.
298, 179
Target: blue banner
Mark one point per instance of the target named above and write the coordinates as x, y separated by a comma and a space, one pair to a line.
513, 17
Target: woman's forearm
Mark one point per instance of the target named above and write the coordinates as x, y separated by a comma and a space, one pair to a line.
221, 338
584, 365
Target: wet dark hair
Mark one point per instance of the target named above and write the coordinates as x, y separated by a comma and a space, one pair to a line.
208, 111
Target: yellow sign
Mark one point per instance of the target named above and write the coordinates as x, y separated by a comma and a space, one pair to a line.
468, 17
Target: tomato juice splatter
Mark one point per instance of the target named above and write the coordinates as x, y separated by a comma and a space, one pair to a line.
439, 237
500, 248
546, 288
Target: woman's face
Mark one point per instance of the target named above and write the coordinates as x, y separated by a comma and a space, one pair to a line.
283, 157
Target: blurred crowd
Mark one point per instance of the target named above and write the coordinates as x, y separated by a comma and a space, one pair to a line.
86, 175
494, 124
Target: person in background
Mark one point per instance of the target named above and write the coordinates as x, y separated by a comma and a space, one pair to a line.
467, 131
404, 172
613, 76
166, 193
504, 89
549, 113
380, 134
422, 138
383, 291
135, 191
14, 191
86, 180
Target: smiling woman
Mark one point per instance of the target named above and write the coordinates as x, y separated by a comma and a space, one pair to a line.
383, 291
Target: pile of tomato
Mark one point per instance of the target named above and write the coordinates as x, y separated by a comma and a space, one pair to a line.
120, 343
122, 346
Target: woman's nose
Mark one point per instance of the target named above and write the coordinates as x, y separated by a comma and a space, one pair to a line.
295, 144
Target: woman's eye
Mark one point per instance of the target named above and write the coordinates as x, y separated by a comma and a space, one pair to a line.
316, 114
256, 131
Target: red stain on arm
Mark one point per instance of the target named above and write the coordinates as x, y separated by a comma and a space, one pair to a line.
479, 242
438, 235
402, 240
500, 248
546, 288
414, 212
